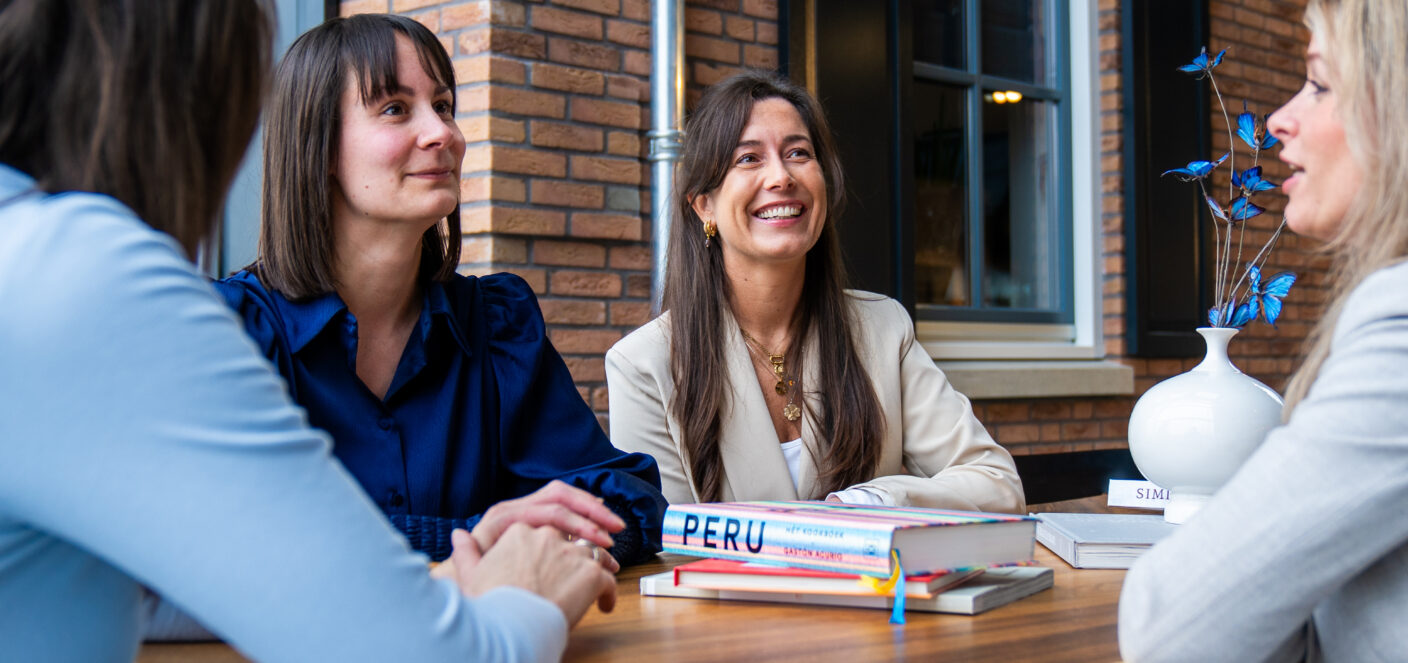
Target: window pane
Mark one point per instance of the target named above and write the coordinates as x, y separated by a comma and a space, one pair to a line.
938, 32
940, 195
1020, 263
1014, 39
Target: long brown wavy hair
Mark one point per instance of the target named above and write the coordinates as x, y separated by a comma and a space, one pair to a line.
696, 296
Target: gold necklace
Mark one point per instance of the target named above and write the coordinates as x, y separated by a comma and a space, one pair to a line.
779, 370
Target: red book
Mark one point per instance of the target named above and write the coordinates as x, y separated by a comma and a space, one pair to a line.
727, 574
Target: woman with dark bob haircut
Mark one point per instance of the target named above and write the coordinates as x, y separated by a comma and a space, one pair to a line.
766, 378
143, 441
442, 393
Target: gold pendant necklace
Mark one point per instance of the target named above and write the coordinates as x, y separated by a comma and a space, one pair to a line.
779, 370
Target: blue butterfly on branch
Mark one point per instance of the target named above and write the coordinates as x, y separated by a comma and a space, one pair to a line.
1264, 300
1236, 305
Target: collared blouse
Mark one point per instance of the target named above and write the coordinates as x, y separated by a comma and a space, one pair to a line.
481, 408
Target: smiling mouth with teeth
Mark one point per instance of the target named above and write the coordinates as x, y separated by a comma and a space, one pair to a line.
780, 212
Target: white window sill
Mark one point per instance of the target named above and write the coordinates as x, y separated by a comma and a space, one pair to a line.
969, 341
992, 379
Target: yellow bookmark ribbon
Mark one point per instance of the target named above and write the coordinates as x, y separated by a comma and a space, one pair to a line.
894, 586
886, 587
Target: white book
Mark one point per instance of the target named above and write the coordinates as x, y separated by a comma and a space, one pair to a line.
1100, 540
995, 587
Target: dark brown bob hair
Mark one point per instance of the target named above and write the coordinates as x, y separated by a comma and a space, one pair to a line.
301, 135
152, 102
696, 295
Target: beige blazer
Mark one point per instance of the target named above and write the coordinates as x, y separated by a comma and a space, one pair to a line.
935, 452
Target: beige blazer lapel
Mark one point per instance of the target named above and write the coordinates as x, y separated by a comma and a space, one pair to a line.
754, 468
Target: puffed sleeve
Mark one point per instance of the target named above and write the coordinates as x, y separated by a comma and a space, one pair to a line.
245, 296
952, 460
547, 432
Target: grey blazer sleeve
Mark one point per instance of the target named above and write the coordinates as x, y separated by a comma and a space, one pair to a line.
1303, 551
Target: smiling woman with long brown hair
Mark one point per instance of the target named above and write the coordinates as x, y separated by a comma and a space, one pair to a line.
766, 378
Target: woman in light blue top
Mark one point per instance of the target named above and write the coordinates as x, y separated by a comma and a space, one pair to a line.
144, 441
1303, 555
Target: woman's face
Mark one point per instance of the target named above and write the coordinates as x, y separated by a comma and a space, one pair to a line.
399, 156
771, 205
1327, 176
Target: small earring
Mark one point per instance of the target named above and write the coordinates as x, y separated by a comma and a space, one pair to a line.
709, 231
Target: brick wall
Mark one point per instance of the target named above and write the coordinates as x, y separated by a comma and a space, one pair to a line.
1264, 66
554, 103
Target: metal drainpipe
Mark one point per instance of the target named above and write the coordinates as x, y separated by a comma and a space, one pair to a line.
666, 107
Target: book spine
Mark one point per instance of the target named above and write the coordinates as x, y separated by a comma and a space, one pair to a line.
777, 538
1058, 541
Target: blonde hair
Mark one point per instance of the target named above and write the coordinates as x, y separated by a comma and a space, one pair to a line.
1365, 48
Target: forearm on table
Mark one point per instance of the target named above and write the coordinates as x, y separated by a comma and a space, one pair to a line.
970, 488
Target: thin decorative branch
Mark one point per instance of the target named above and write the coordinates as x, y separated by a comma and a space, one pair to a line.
1231, 146
1244, 298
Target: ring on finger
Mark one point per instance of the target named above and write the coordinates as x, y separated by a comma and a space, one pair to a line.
596, 550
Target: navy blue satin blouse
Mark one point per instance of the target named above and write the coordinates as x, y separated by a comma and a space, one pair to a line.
481, 409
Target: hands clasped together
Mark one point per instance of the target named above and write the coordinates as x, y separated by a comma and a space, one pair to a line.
550, 543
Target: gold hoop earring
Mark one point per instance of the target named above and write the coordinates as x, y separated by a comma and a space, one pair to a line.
710, 230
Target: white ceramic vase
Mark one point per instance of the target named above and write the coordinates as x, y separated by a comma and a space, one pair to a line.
1190, 433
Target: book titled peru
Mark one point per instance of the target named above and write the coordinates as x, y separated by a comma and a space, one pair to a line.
847, 538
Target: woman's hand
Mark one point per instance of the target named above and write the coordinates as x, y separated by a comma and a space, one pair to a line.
572, 511
537, 559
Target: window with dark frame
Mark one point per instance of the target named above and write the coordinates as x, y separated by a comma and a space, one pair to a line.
922, 95
988, 115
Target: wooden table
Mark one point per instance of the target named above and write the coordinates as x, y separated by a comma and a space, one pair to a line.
1072, 621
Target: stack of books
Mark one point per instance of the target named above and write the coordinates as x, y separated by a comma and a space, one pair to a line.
847, 555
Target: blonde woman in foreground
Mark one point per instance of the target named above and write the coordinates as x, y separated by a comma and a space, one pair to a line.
1303, 555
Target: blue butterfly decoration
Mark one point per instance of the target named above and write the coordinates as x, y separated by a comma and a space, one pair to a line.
1247, 130
1227, 318
1250, 181
1262, 300
1195, 170
1268, 140
1243, 208
1216, 208
1270, 296
1201, 64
